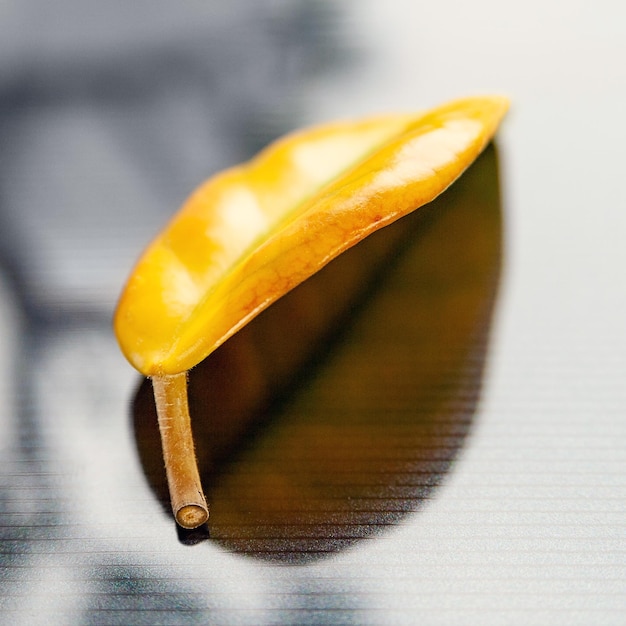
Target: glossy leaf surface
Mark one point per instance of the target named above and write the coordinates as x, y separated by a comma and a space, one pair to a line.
252, 233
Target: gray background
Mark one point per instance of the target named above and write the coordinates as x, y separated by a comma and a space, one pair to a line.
110, 112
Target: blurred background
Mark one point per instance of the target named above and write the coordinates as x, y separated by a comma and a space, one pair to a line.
111, 112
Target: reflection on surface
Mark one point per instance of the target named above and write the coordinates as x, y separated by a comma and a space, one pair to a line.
341, 408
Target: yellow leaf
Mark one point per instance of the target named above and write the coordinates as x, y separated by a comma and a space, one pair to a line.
249, 235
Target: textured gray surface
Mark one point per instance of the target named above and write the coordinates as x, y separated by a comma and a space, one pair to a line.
108, 119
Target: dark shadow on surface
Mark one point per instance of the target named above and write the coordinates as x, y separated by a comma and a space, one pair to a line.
340, 409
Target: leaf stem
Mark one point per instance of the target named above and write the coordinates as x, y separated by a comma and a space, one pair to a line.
188, 502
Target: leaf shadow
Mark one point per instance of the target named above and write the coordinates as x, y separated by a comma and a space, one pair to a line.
340, 409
